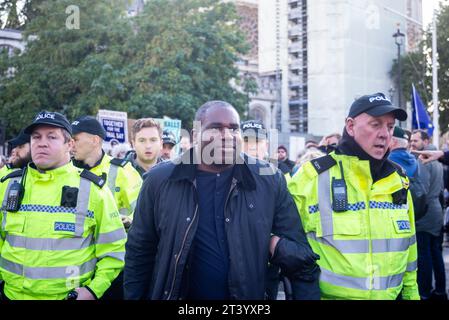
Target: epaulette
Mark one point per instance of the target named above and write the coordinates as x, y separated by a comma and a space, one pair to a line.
119, 162
14, 174
98, 180
323, 164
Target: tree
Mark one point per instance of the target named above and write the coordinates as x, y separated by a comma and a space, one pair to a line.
59, 69
184, 55
417, 68
12, 13
168, 60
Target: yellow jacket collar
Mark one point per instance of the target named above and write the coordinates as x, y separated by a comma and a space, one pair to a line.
50, 174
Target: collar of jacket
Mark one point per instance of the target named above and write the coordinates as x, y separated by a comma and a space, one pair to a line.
82, 165
379, 168
186, 167
51, 174
131, 157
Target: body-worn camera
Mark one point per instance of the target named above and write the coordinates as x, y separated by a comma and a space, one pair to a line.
69, 197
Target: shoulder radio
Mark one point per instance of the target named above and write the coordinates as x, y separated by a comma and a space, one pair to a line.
339, 193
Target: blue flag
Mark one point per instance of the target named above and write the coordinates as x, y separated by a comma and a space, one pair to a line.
421, 119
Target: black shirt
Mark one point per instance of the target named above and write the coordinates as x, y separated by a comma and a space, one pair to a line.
210, 255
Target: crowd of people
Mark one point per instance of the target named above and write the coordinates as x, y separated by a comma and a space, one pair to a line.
359, 215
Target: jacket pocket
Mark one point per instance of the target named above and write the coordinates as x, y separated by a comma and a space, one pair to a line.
15, 223
340, 224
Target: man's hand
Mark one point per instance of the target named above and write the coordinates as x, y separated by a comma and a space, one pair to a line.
126, 221
84, 294
428, 156
273, 243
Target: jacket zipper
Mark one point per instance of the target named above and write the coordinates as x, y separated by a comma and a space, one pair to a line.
180, 251
233, 186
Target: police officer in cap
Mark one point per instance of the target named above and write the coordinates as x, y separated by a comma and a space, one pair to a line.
61, 234
357, 210
168, 144
255, 139
20, 154
122, 179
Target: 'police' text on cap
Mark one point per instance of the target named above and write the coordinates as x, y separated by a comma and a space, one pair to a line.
253, 128
376, 105
55, 119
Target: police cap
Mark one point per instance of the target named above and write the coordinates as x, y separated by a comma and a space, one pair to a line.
253, 128
376, 105
21, 139
168, 137
49, 118
88, 124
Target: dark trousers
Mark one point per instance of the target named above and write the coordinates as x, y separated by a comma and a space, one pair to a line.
272, 279
430, 261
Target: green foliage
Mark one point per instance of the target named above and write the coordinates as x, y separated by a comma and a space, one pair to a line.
169, 60
417, 69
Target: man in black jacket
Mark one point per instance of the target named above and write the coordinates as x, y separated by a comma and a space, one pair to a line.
206, 224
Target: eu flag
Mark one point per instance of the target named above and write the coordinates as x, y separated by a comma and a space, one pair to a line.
421, 119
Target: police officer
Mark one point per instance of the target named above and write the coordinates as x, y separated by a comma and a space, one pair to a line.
255, 139
20, 153
356, 210
168, 143
121, 178
61, 233
255, 144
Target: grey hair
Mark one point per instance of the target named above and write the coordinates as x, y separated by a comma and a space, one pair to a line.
401, 143
66, 135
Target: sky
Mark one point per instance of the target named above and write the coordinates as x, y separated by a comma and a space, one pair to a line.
428, 6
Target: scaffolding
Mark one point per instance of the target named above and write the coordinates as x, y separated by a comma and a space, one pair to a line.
298, 73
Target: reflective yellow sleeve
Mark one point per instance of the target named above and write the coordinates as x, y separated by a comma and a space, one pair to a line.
299, 186
110, 239
2, 232
410, 285
130, 182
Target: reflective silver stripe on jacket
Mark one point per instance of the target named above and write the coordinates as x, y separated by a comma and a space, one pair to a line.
47, 272
112, 177
110, 237
325, 204
49, 243
362, 246
82, 206
369, 283
116, 255
412, 266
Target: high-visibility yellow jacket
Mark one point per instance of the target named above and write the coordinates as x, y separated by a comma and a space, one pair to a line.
123, 181
47, 249
369, 251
